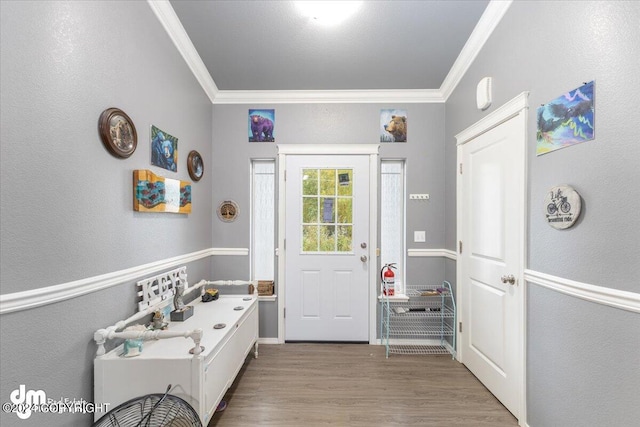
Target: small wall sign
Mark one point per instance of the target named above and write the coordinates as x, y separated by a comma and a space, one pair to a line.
228, 211
562, 206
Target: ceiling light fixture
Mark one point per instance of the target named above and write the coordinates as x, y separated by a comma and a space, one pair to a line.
328, 12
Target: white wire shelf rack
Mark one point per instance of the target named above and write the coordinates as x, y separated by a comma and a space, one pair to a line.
419, 349
429, 313
420, 328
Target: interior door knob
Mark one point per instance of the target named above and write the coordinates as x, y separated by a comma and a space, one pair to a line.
363, 258
363, 245
510, 279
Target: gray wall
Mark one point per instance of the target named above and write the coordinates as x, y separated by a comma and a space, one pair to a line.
66, 203
329, 124
583, 358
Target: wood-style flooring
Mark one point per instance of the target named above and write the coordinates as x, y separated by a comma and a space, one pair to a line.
306, 385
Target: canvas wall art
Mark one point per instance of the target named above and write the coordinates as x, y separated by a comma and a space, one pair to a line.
153, 193
164, 149
567, 120
261, 125
393, 125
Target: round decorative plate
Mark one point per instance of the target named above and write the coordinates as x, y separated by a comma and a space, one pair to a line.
228, 211
117, 132
195, 165
562, 207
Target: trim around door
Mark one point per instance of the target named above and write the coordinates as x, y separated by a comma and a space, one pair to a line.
511, 109
328, 149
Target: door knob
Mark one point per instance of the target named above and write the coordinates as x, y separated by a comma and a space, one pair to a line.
363, 258
363, 245
510, 279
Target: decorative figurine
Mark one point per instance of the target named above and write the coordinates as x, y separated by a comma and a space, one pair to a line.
210, 295
178, 304
158, 320
181, 312
133, 347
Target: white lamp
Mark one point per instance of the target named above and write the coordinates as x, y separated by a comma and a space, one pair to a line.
328, 12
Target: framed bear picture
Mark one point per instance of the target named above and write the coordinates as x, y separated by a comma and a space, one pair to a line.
393, 125
164, 149
261, 125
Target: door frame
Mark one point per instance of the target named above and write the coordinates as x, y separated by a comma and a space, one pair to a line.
518, 106
370, 150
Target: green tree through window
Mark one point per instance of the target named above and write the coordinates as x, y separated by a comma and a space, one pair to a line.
327, 210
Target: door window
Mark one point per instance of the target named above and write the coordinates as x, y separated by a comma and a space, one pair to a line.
327, 211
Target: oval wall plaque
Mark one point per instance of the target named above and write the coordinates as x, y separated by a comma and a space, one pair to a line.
562, 206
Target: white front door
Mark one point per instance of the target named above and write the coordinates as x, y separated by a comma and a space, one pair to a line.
327, 232
491, 232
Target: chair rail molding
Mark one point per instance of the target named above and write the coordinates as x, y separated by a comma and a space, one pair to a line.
624, 300
24, 300
446, 253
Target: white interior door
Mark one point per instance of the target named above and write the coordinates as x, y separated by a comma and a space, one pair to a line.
326, 264
491, 229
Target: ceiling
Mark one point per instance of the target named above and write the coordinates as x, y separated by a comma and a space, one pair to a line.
253, 46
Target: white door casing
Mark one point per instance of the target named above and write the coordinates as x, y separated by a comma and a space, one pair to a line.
491, 187
328, 317
327, 292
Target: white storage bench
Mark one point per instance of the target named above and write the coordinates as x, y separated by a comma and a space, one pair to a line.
200, 379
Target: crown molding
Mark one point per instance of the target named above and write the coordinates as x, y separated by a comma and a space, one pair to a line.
172, 25
484, 28
328, 96
488, 21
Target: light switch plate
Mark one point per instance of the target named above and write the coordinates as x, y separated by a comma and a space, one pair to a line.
419, 236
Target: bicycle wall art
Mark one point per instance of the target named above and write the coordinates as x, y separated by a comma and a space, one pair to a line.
567, 120
562, 206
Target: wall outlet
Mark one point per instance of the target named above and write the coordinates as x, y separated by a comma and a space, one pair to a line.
419, 236
418, 197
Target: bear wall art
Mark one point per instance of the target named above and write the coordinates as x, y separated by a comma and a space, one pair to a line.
164, 149
393, 125
261, 125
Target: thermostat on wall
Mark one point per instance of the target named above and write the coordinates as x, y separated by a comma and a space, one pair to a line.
483, 94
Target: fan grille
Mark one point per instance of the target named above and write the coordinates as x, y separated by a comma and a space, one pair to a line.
152, 410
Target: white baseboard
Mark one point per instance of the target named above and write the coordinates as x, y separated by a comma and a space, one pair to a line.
50, 294
624, 300
268, 341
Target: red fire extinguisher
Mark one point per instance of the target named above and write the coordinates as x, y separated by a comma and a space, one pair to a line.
388, 279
